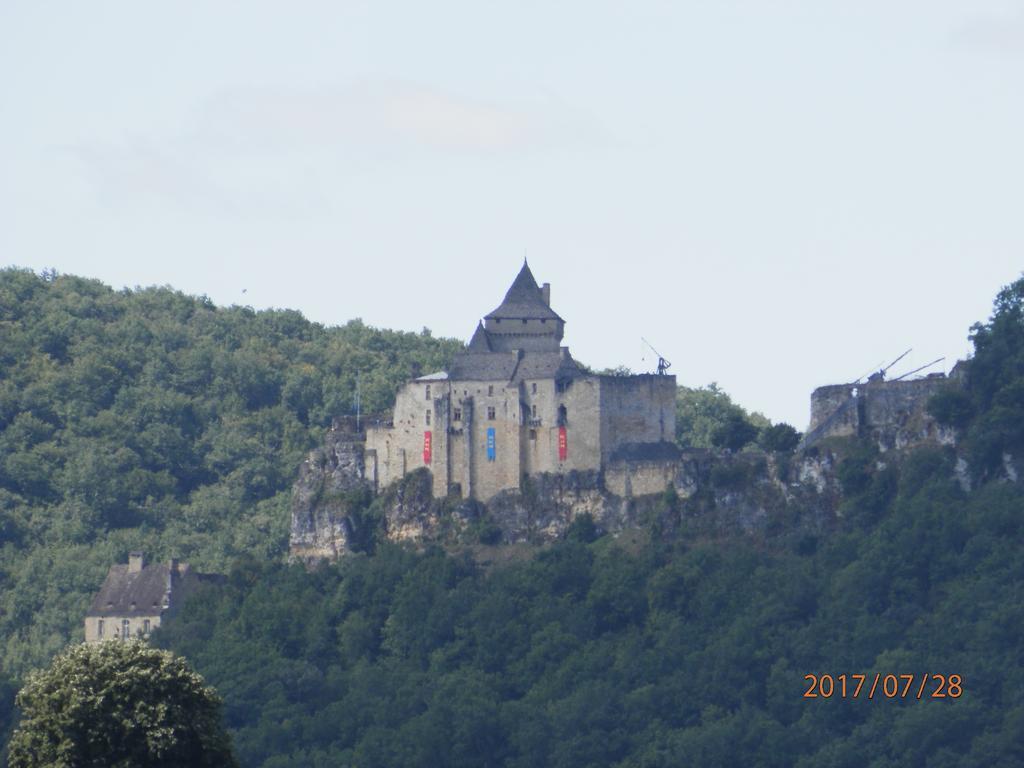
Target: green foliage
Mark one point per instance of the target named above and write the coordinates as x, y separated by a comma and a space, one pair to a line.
951, 407
119, 703
990, 409
153, 420
583, 529
779, 438
703, 413
598, 655
733, 433
591, 653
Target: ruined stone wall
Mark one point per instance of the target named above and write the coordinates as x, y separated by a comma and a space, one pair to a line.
890, 402
828, 400
636, 409
893, 413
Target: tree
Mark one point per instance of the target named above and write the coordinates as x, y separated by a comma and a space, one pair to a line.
119, 704
702, 412
779, 438
733, 433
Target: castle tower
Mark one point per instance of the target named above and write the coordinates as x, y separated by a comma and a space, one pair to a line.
524, 319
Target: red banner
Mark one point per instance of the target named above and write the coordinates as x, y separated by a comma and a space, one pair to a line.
563, 444
426, 447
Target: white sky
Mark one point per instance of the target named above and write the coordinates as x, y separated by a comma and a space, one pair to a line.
777, 195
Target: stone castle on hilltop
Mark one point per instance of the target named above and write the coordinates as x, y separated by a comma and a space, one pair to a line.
516, 423
515, 404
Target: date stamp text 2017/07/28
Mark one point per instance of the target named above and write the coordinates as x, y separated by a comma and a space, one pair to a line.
879, 686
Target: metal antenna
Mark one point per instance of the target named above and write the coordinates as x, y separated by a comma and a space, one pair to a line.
357, 401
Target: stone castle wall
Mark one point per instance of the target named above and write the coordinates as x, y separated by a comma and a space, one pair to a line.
600, 414
636, 409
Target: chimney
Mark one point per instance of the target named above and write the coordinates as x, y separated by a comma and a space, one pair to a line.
545, 291
136, 562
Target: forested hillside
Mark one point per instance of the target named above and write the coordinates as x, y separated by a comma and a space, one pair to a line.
602, 653
147, 419
153, 420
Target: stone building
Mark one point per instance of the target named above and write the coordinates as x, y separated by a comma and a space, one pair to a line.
515, 404
892, 413
135, 597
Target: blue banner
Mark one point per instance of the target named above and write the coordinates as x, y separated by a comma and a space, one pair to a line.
491, 450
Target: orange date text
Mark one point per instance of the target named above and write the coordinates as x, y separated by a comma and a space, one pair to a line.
882, 686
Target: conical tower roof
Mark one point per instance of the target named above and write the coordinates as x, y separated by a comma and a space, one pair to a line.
524, 299
479, 342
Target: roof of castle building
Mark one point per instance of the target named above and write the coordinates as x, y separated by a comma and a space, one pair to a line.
480, 342
514, 367
492, 366
524, 299
547, 365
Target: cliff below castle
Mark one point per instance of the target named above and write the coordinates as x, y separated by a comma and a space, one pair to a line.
335, 513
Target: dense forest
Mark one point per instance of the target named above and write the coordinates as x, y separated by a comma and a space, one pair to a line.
152, 420
147, 419
645, 652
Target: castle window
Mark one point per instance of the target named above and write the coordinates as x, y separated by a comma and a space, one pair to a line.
490, 389
99, 628
543, 320
145, 626
457, 415
533, 434
533, 388
125, 629
428, 391
524, 321
533, 411
563, 415
428, 418
490, 412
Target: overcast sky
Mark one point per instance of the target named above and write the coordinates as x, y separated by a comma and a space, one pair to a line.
777, 195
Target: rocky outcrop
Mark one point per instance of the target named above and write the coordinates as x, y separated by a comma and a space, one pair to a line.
331, 486
711, 493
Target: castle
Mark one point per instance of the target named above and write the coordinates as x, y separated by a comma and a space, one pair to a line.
514, 404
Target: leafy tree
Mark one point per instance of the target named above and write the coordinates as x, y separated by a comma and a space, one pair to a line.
779, 438
733, 433
701, 412
119, 704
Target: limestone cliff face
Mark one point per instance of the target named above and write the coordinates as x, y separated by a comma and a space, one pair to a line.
331, 484
711, 493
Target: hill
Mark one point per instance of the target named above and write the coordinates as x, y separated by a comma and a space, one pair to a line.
698, 651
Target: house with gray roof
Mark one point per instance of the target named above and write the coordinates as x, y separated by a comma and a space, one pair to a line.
136, 596
514, 403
